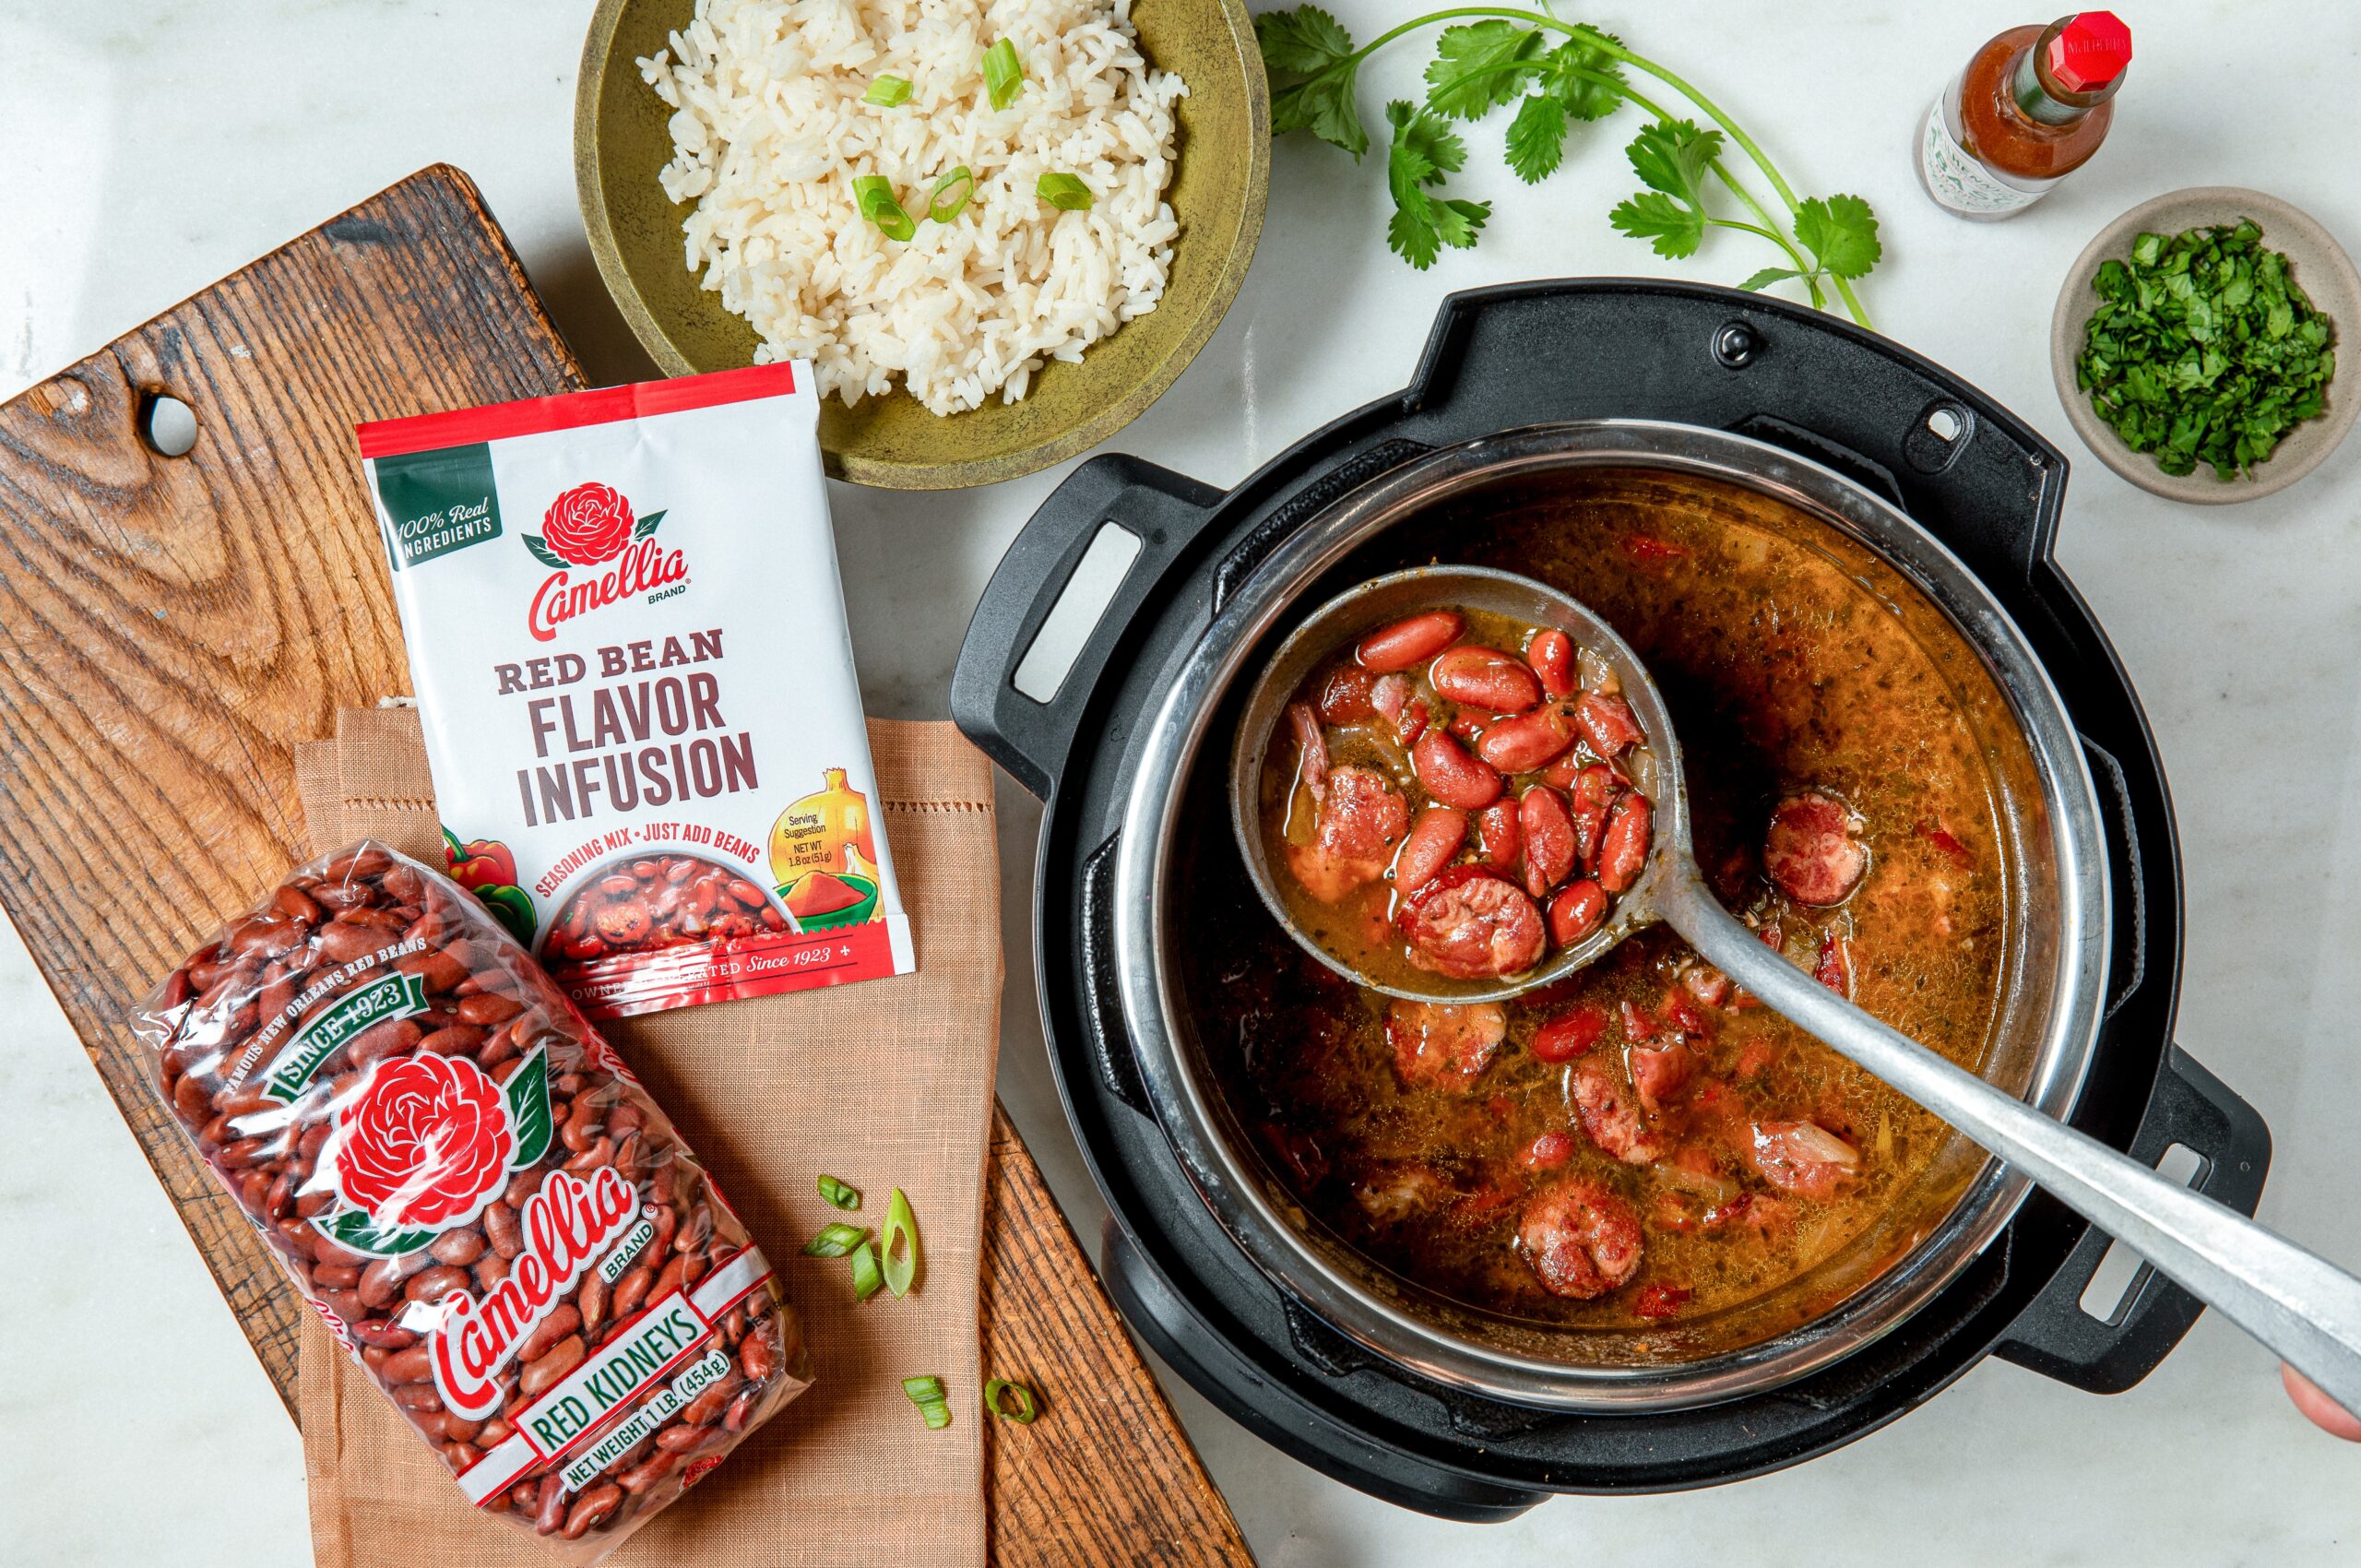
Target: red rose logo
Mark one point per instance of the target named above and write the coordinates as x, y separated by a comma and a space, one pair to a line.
425, 1145
587, 524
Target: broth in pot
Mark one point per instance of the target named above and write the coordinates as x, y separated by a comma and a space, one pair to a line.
1641, 1148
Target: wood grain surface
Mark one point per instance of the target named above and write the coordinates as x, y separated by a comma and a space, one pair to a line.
171, 627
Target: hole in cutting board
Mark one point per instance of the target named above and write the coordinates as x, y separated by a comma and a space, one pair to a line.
167, 425
1076, 615
2118, 1276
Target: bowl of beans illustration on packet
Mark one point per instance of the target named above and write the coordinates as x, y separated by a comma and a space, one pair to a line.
628, 641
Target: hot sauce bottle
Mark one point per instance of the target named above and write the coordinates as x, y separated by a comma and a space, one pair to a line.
2030, 109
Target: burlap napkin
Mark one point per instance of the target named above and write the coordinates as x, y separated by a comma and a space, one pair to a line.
883, 1083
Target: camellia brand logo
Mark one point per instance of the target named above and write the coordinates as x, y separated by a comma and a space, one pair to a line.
564, 1226
592, 526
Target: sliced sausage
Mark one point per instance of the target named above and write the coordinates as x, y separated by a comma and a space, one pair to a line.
1813, 852
1469, 923
1579, 1239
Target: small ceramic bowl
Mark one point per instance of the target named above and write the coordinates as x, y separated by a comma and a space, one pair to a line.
1222, 177
2316, 262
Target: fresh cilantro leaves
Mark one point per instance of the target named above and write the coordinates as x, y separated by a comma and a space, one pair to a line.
1841, 234
1485, 62
2203, 349
1480, 67
1312, 63
1672, 158
1424, 151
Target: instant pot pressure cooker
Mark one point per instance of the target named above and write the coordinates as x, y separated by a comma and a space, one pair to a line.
1950, 492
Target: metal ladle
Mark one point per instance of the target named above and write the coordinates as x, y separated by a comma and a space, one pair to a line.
2300, 1306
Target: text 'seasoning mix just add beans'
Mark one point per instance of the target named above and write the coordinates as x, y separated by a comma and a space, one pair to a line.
628, 640
483, 1206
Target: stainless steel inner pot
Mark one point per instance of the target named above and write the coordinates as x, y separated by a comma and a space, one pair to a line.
2039, 1048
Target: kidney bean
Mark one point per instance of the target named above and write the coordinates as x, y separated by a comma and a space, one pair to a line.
1498, 839
413, 1365
1451, 776
754, 1359
580, 1129
650, 1470
488, 1008
552, 1513
552, 1365
1408, 642
596, 1505
1485, 679
1605, 722
1525, 742
1552, 653
378, 1333
418, 1397
1593, 790
632, 1289
1548, 830
1623, 851
457, 1247
554, 1328
500, 1228
1579, 909
433, 1284
1434, 838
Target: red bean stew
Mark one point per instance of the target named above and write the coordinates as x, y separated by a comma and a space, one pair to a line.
650, 902
1641, 1146
1454, 796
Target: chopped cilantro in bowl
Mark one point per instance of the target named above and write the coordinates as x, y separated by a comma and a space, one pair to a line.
2204, 350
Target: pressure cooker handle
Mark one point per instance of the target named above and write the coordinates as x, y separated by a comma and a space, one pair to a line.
2056, 1334
1030, 735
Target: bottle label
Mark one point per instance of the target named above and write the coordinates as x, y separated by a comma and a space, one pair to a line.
1956, 180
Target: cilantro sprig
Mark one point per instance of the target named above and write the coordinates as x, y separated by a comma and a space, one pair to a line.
2203, 349
1494, 56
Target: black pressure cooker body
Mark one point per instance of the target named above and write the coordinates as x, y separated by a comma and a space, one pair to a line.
1500, 359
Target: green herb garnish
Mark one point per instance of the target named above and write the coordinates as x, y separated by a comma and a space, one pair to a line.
944, 203
841, 1194
1507, 57
835, 1241
867, 1278
1010, 1401
888, 92
875, 195
1003, 73
2203, 349
901, 1226
1064, 192
926, 1394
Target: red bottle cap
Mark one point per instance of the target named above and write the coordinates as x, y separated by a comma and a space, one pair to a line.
2090, 52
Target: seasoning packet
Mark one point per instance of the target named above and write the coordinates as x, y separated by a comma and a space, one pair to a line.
627, 638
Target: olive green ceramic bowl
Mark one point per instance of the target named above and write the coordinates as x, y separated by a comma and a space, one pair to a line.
620, 140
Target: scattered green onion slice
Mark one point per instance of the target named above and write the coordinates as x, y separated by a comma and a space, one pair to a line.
936, 208
1001, 1387
866, 1276
900, 1225
1064, 192
841, 1194
1003, 73
926, 1394
876, 194
835, 1241
888, 93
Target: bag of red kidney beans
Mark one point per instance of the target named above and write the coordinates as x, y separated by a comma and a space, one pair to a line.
627, 638
480, 1201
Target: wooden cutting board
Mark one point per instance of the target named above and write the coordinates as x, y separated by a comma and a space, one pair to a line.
175, 627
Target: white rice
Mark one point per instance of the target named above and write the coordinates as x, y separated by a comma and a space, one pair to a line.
769, 132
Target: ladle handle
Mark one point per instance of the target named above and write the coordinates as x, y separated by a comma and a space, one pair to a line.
2299, 1305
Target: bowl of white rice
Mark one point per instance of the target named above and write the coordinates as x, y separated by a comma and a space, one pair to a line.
996, 229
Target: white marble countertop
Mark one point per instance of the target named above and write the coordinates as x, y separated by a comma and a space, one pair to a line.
149, 146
